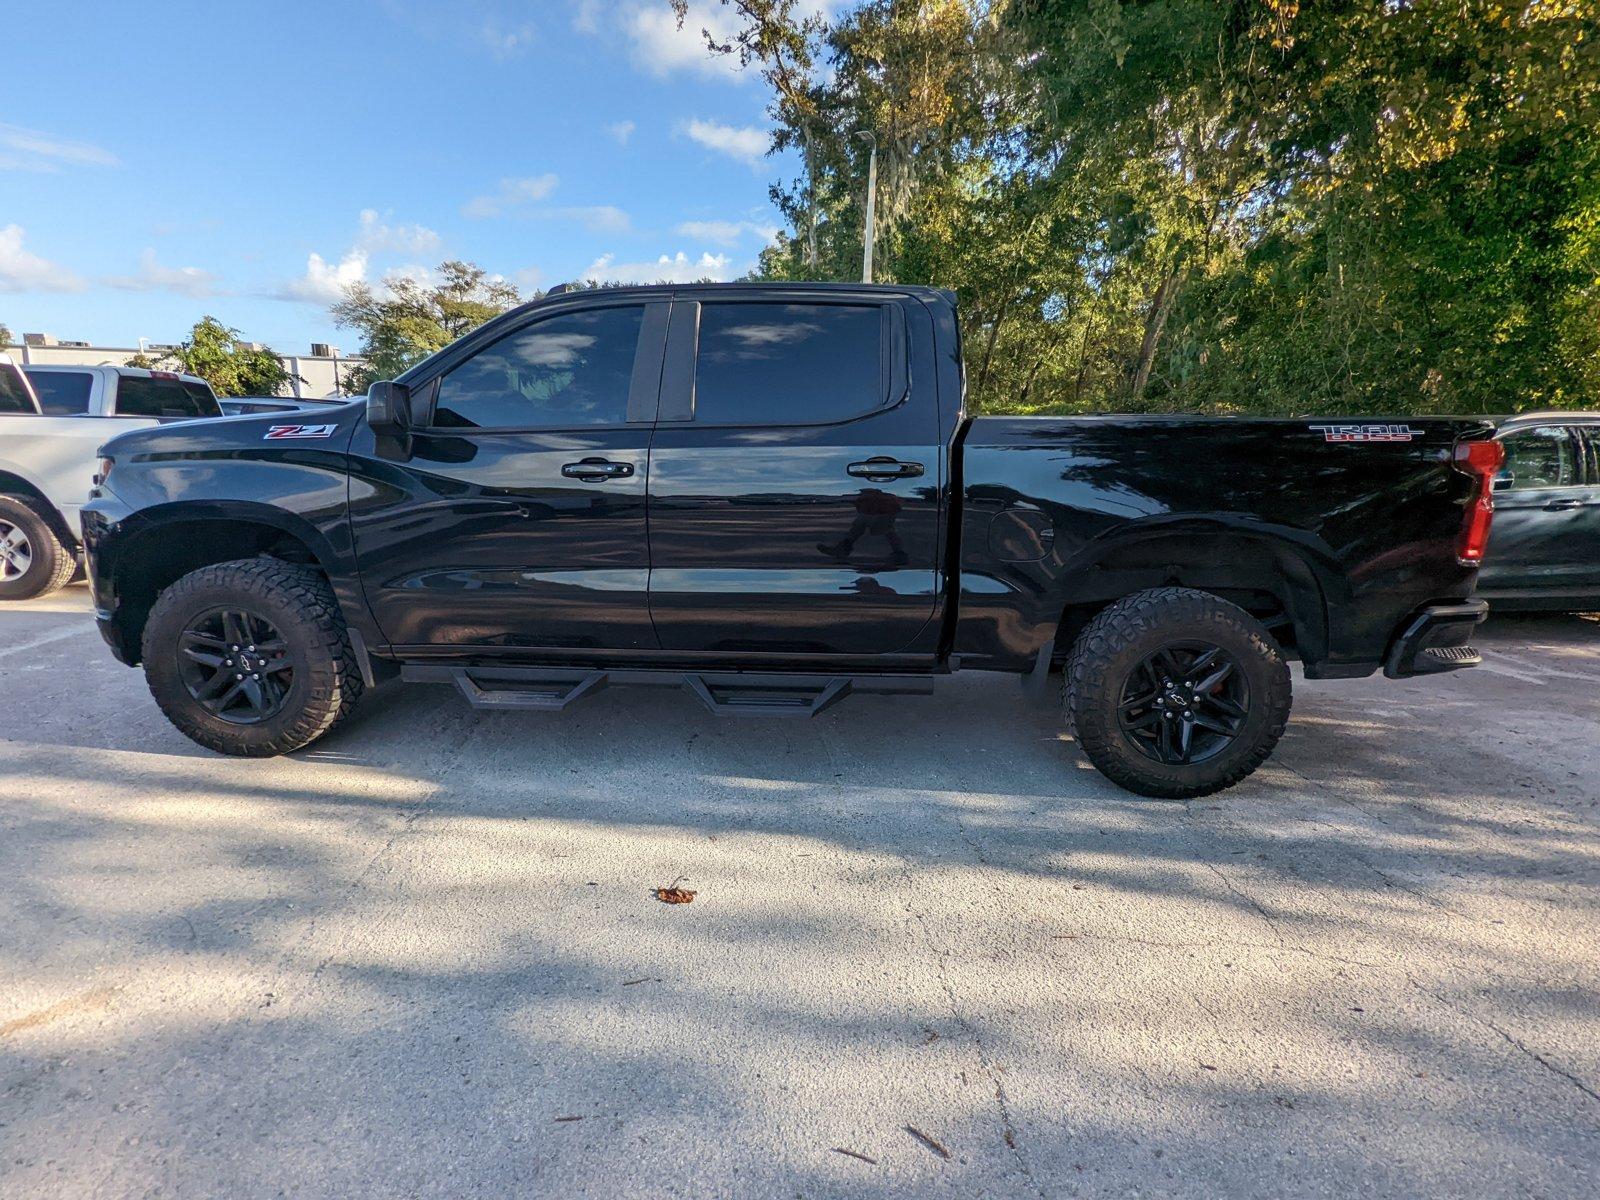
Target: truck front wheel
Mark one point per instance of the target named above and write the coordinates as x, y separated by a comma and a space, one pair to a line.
1176, 693
251, 657
33, 562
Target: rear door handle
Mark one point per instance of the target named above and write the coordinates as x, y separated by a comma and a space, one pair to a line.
597, 470
882, 468
1562, 505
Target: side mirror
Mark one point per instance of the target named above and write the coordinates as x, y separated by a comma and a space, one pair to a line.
389, 409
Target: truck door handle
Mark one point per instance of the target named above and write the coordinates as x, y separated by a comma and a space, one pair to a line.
882, 468
597, 470
1562, 505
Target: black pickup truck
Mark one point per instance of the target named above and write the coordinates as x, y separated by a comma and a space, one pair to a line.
772, 496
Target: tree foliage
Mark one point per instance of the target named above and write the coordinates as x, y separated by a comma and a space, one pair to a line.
1223, 205
404, 320
216, 354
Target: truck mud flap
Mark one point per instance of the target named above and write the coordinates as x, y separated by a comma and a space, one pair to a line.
727, 694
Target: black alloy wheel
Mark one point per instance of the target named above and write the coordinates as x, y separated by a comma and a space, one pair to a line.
1184, 704
236, 665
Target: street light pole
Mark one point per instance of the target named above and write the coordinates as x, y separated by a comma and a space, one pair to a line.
872, 204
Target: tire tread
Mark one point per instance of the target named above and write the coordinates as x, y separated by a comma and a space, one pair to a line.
335, 675
1126, 621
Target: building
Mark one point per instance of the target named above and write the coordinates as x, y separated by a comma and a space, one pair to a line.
318, 375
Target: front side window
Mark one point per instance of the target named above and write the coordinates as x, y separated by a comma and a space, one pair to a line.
62, 393
565, 372
1545, 456
168, 398
788, 364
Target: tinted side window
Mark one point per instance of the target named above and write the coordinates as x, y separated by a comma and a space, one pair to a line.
1545, 456
788, 364
14, 396
62, 393
566, 371
144, 396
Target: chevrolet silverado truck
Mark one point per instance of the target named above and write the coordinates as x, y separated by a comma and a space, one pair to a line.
52, 422
772, 496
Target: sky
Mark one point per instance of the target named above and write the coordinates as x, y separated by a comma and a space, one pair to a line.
160, 162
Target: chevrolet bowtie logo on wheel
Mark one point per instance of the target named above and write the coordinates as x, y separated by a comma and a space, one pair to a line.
1367, 433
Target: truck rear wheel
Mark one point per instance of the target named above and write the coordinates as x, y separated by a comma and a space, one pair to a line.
1176, 693
33, 562
251, 657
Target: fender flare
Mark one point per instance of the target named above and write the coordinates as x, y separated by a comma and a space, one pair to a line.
1311, 583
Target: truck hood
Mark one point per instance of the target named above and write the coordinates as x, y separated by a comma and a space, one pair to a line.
328, 428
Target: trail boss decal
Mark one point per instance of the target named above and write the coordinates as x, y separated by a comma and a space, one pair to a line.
1367, 433
278, 432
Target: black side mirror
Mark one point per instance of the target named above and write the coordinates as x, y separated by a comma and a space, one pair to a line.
389, 409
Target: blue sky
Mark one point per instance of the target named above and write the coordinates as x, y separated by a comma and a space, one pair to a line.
160, 162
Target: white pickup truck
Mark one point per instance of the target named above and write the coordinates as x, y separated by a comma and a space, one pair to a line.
51, 429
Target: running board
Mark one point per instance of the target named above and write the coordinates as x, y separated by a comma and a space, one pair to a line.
727, 694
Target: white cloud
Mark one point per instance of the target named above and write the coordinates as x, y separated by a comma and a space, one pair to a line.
375, 237
744, 143
504, 42
30, 150
586, 16
657, 44
152, 276
661, 48
513, 193
678, 268
621, 131
325, 280
596, 218
725, 233
22, 271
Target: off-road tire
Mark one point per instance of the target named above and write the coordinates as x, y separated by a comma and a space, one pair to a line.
52, 565
1120, 637
297, 601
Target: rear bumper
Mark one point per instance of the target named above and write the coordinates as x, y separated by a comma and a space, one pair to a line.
1436, 639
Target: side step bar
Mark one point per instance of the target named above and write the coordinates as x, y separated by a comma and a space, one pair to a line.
727, 694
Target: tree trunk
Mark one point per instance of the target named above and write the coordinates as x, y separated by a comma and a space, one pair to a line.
1154, 325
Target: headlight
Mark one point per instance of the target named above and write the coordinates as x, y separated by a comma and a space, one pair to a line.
103, 470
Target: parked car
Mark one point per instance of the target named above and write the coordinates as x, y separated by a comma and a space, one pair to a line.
241, 406
49, 448
1545, 553
66, 391
773, 496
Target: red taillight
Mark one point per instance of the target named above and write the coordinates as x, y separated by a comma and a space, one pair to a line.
1481, 460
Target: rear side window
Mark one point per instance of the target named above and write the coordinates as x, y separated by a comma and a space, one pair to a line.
62, 393
788, 364
565, 372
142, 396
14, 396
1545, 456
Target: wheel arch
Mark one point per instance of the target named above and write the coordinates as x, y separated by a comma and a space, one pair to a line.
1284, 578
168, 542
15, 484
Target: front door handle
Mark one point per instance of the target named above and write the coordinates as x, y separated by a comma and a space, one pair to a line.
597, 470
883, 468
1562, 505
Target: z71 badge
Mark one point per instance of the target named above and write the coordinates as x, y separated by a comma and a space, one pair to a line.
278, 432
1367, 433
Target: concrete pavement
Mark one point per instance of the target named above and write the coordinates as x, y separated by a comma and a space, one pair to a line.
422, 957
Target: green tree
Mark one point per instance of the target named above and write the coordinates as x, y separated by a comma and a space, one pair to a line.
1211, 205
5, 335
405, 320
217, 354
